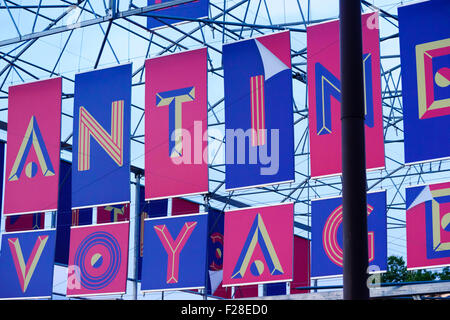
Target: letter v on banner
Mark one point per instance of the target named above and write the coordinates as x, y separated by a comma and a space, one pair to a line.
170, 264
26, 264
102, 113
32, 155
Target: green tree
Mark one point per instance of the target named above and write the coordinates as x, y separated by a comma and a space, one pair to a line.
397, 272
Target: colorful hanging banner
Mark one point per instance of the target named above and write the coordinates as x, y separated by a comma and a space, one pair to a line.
215, 253
182, 206
174, 253
101, 137
66, 217
26, 264
193, 10
259, 127
34, 137
176, 154
98, 259
113, 213
428, 225
324, 96
258, 243
425, 61
25, 222
148, 209
327, 239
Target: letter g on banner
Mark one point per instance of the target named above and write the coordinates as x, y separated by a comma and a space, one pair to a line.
329, 237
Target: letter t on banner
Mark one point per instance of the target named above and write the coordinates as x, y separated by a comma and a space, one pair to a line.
176, 161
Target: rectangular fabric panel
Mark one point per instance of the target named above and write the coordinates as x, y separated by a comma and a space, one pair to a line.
176, 161
113, 213
66, 218
258, 245
32, 152
101, 137
26, 264
428, 225
174, 253
324, 96
192, 10
148, 209
425, 61
259, 127
327, 239
98, 259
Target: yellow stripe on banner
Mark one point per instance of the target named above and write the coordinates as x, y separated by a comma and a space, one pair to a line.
111, 143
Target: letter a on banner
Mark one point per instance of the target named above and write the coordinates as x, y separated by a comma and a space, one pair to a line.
258, 245
32, 154
101, 135
176, 158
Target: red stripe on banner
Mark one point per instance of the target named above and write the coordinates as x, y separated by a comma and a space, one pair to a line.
257, 110
262, 111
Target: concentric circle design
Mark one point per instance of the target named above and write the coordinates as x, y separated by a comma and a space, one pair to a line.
98, 257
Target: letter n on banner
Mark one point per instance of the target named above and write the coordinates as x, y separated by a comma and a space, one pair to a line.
324, 96
425, 59
176, 154
101, 137
175, 252
32, 151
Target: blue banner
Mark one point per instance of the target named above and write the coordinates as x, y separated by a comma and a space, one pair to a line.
425, 60
216, 224
148, 209
101, 137
175, 253
26, 264
66, 218
258, 112
327, 238
192, 10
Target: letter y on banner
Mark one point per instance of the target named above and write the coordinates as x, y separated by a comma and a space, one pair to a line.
101, 137
175, 252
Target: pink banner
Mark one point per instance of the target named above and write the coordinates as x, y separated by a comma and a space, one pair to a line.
32, 155
176, 125
98, 259
258, 245
428, 225
324, 96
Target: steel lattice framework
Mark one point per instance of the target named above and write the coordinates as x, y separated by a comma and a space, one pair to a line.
40, 39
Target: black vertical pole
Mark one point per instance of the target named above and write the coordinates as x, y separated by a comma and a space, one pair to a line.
353, 152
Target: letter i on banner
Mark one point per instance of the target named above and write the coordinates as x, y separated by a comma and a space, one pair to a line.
258, 112
101, 137
176, 161
32, 154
